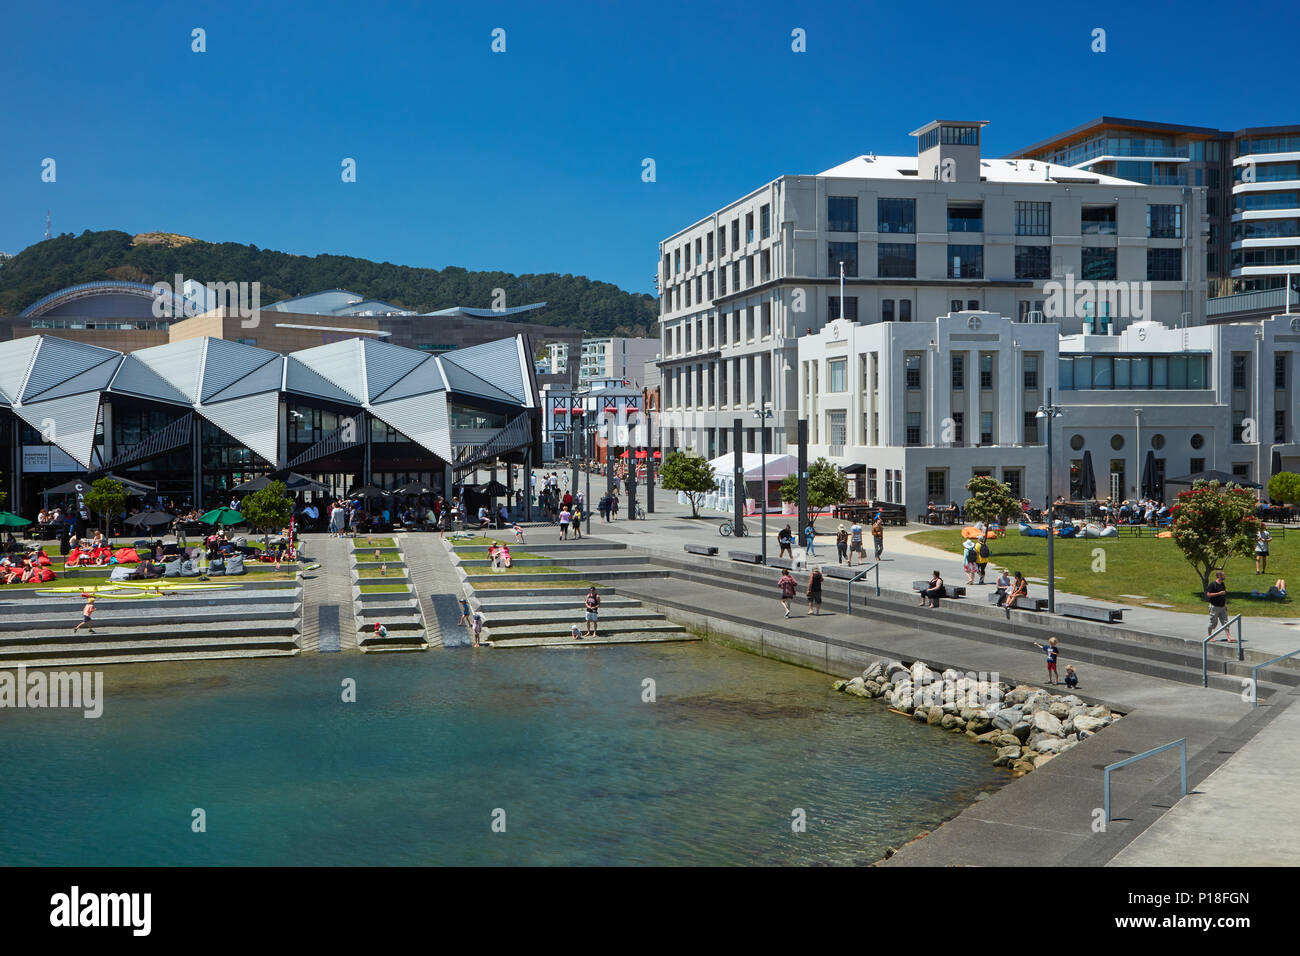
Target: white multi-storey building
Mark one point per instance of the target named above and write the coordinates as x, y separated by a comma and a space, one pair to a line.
915, 237
610, 356
916, 409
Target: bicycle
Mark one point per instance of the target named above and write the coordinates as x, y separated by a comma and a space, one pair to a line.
727, 528
640, 513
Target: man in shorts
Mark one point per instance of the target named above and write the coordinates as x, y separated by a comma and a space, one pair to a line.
1217, 595
855, 543
592, 603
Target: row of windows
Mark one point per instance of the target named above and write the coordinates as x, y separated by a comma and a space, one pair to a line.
1266, 229
1281, 200
1240, 373
1082, 372
1164, 220
704, 245
898, 261
1288, 143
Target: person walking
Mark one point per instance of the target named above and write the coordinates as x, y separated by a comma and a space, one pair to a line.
842, 543
968, 560
785, 538
855, 543
465, 614
576, 524
88, 612
878, 535
477, 627
566, 516
1217, 595
815, 591
982, 555
592, 603
1052, 651
788, 586
1261, 550
808, 534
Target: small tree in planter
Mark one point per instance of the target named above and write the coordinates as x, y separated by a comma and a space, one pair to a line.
690, 474
106, 498
827, 486
1211, 524
1285, 487
267, 509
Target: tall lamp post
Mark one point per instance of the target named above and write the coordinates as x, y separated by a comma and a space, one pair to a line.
1047, 413
763, 415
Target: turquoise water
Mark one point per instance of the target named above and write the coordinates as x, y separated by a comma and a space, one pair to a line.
586, 772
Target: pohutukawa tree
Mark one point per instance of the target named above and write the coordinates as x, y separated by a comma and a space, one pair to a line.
990, 500
1211, 524
827, 486
690, 474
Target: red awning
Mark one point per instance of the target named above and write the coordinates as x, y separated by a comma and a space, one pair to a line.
658, 453
611, 408
640, 453
561, 411
579, 411
624, 455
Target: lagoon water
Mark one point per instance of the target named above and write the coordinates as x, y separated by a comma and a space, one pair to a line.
585, 771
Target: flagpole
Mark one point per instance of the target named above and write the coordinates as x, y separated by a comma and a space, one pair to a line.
842, 312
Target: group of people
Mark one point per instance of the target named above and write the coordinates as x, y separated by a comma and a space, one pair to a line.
32, 567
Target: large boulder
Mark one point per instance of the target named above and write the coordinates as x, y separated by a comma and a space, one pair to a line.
1045, 722
934, 716
877, 669
993, 737
1048, 745
1098, 710
1021, 767
1019, 694
1022, 729
1042, 759
1090, 725
1005, 739
921, 673
950, 674
952, 722
1005, 755
872, 688
1060, 710
979, 724
1007, 718
921, 713
839, 685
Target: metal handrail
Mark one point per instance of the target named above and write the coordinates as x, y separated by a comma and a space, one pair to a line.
1128, 760
1254, 677
1205, 648
858, 577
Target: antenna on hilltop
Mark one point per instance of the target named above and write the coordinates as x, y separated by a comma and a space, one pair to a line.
47, 224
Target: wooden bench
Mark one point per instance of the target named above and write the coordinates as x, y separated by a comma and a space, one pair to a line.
949, 591
707, 550
1091, 612
1024, 604
749, 557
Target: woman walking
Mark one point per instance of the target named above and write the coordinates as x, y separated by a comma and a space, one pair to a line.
788, 586
968, 560
815, 591
842, 543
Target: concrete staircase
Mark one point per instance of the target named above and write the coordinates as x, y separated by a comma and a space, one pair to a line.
398, 611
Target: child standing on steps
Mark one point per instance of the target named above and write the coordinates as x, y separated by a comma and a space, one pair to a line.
86, 613
1051, 650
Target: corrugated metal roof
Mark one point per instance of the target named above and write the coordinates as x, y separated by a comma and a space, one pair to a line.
303, 380
227, 362
467, 383
496, 362
92, 380
253, 421
421, 418
58, 360
421, 380
179, 363
15, 362
133, 377
386, 364
340, 363
269, 377
69, 422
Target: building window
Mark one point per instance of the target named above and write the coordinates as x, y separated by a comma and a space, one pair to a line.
1198, 441
850, 307
904, 310
699, 252
936, 484
913, 436
1033, 219
1011, 476
1031, 373
710, 284
958, 371
965, 218
986, 372
845, 252
1164, 222
955, 305
722, 241
1097, 221
1117, 441
708, 247
871, 483
896, 215
722, 280
1279, 426
764, 221
1099, 262
965, 262
677, 259
1033, 262
837, 377
735, 235
749, 228
886, 310
896, 260
1239, 372
837, 427
986, 428
1279, 370
842, 213
913, 372
1197, 464
1164, 265
1031, 428
959, 428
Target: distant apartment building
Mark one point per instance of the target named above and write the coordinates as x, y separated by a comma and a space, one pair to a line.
907, 238
1252, 183
913, 411
608, 357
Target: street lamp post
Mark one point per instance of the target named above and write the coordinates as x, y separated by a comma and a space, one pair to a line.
763, 415
1047, 413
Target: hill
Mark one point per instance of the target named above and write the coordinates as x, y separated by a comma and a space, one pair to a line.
573, 301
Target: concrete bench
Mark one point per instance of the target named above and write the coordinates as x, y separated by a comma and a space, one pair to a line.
1091, 612
841, 572
704, 549
1024, 604
790, 564
750, 557
948, 590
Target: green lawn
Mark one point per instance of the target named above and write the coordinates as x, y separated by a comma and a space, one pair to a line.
360, 543
397, 573
1151, 567
369, 555
479, 584
482, 541
487, 572
383, 588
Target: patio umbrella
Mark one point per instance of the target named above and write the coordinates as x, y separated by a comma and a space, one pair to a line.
1149, 476
293, 483
82, 485
413, 488
369, 491
493, 489
1222, 477
222, 515
641, 453
1087, 480
150, 519
10, 520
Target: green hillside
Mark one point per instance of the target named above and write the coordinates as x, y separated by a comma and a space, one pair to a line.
574, 301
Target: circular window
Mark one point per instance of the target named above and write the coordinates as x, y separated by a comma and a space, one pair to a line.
1198, 441
1117, 442
1076, 442
1157, 441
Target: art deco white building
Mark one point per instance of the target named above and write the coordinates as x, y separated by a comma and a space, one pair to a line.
916, 409
918, 236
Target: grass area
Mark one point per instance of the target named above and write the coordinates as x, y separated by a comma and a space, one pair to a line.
478, 584
369, 544
1151, 567
398, 573
478, 554
531, 569
369, 555
383, 588
482, 541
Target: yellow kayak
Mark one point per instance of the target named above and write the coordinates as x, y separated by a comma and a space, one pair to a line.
100, 589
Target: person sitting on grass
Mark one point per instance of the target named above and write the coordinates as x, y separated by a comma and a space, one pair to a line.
1277, 592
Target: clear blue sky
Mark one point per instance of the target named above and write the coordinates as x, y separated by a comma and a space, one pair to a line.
530, 161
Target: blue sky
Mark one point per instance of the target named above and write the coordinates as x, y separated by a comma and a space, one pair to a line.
530, 160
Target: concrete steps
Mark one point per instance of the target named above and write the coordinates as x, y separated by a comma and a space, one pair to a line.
512, 601
632, 637
561, 628
68, 661
570, 613
127, 649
